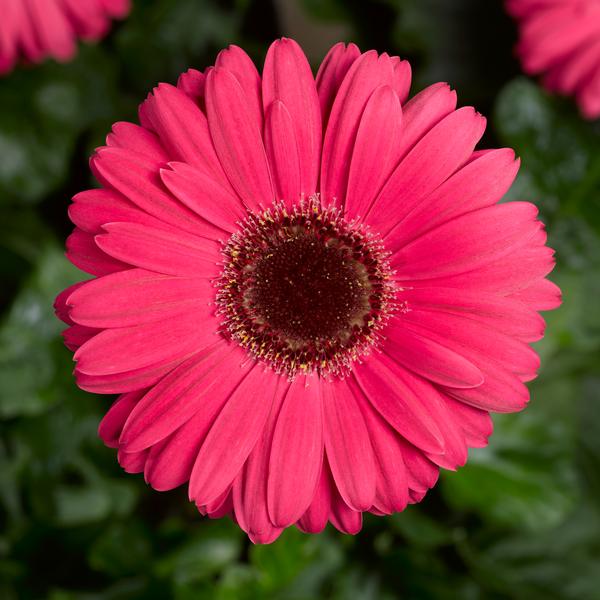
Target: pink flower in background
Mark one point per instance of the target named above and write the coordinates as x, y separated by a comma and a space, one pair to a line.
304, 291
560, 39
37, 29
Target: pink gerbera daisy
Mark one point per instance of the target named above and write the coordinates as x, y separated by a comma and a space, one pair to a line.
304, 291
38, 29
561, 40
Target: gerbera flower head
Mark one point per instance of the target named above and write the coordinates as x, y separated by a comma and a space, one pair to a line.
304, 290
37, 29
560, 39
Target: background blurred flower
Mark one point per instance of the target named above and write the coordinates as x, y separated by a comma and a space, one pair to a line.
337, 349
34, 30
560, 39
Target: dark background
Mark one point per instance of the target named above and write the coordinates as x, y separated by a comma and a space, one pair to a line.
522, 520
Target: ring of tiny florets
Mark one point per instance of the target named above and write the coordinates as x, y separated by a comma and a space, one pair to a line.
304, 290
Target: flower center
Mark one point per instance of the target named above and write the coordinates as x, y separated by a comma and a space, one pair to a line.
304, 290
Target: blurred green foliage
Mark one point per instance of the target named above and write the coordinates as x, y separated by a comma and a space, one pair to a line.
521, 521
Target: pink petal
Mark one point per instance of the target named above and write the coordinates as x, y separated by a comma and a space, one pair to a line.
30, 41
422, 112
416, 497
189, 388
501, 392
129, 348
77, 335
111, 425
366, 74
265, 537
331, 73
192, 82
422, 474
287, 77
492, 352
250, 486
372, 156
53, 29
84, 253
433, 159
233, 435
222, 505
296, 453
391, 482
380, 379
282, 151
344, 518
467, 242
92, 209
348, 446
140, 183
455, 448
137, 139
9, 29
469, 338
508, 315
60, 303
575, 70
182, 129
237, 138
499, 276
128, 381
481, 183
402, 78
215, 203
566, 35
240, 65
137, 296
172, 459
476, 424
116, 8
132, 462
161, 250
316, 516
540, 295
415, 350
88, 20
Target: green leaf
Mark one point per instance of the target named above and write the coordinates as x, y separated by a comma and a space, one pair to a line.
419, 529
123, 549
160, 41
296, 563
526, 477
44, 110
560, 564
29, 339
76, 505
559, 150
214, 546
